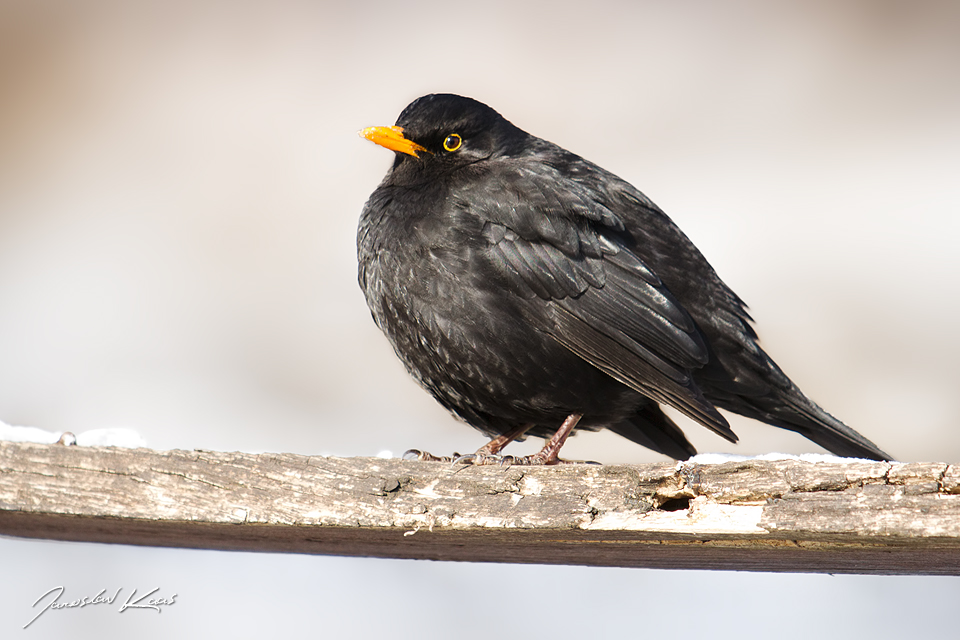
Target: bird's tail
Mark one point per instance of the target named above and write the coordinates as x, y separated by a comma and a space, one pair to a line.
791, 409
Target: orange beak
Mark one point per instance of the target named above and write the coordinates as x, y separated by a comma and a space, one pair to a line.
392, 138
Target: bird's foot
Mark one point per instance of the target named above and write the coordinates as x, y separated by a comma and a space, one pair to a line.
480, 459
537, 460
509, 461
490, 452
470, 459
484, 459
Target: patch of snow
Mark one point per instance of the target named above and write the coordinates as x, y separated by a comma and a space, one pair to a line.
27, 434
115, 437
720, 458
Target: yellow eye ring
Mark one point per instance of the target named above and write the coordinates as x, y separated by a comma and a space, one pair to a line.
452, 142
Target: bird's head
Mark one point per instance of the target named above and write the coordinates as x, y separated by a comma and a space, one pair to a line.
443, 129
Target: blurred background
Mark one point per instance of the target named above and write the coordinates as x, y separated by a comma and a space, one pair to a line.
180, 184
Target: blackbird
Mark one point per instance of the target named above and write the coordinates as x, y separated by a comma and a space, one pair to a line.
531, 292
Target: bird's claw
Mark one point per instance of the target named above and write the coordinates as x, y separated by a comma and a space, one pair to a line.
470, 458
423, 456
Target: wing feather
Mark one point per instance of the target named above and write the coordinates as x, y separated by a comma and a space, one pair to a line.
568, 256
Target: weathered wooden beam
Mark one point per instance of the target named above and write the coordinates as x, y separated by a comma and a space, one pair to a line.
787, 515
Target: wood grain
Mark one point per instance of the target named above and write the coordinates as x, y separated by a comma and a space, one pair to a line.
787, 515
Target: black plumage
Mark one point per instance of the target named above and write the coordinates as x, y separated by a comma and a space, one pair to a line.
527, 288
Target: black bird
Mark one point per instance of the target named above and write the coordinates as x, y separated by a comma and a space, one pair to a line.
532, 292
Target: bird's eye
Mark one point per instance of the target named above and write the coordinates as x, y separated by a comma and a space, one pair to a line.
452, 142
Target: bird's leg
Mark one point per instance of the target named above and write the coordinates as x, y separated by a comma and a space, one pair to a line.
487, 454
496, 445
550, 452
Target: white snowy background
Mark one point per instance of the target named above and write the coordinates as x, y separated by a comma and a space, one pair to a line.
179, 189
